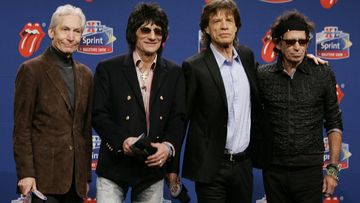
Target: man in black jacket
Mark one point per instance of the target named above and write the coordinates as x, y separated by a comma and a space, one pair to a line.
223, 108
138, 93
298, 97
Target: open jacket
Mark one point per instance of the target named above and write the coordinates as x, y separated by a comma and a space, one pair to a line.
208, 115
52, 140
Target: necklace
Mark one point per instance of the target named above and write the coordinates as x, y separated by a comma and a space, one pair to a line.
144, 77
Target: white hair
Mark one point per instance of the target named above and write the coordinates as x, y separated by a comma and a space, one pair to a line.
67, 10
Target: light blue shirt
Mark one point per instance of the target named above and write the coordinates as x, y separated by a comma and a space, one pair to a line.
237, 90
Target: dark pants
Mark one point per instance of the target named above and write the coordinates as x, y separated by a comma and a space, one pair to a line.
232, 184
69, 197
293, 184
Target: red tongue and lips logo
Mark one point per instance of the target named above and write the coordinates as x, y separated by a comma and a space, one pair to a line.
31, 37
328, 3
267, 51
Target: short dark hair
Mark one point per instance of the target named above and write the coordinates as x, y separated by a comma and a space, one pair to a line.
146, 13
290, 20
212, 8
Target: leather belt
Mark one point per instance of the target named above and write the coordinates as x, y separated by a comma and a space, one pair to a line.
241, 156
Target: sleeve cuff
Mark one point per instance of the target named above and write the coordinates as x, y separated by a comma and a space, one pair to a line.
334, 130
171, 149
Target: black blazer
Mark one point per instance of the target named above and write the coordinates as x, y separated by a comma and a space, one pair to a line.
208, 114
119, 113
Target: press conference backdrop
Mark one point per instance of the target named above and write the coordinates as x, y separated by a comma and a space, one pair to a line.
24, 35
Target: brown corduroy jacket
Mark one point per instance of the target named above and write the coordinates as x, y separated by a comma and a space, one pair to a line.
52, 141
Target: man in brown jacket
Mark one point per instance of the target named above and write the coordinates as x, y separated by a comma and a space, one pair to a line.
52, 123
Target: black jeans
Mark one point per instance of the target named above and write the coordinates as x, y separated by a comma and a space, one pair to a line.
293, 184
232, 184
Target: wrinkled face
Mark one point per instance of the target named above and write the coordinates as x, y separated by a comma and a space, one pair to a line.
222, 28
148, 39
67, 34
293, 46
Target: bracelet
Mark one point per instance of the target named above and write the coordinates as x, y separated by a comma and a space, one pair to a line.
333, 170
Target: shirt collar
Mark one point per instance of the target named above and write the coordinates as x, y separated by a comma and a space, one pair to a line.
137, 60
60, 57
220, 59
303, 66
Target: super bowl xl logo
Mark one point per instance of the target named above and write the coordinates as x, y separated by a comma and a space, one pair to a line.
96, 39
331, 43
31, 36
344, 156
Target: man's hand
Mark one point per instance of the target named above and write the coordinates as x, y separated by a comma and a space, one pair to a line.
26, 185
317, 60
159, 158
173, 181
172, 178
329, 185
126, 145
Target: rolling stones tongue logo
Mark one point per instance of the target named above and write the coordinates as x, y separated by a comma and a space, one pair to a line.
31, 37
328, 3
267, 51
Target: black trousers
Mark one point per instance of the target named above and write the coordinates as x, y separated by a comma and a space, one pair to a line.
232, 184
293, 184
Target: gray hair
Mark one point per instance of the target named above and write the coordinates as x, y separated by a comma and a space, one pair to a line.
64, 11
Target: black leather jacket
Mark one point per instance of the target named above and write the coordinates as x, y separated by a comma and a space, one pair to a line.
298, 108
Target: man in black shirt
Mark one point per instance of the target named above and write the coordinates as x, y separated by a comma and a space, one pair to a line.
299, 99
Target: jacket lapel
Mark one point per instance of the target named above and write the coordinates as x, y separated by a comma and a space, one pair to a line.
214, 69
158, 78
56, 78
78, 82
130, 73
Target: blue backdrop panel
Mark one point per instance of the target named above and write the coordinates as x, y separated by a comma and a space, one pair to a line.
338, 19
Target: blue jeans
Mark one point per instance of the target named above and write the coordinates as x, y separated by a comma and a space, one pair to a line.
108, 191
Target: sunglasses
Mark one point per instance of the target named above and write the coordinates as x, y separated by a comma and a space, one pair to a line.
291, 42
145, 31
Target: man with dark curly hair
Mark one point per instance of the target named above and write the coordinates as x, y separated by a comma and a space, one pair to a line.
299, 98
139, 112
